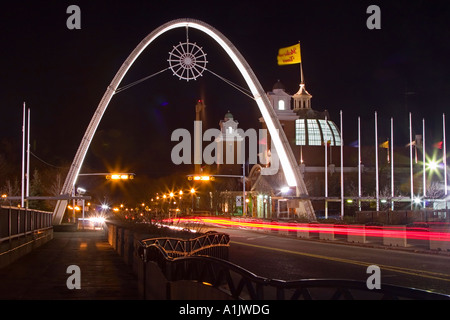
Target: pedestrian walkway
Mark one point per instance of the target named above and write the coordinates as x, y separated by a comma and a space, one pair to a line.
42, 274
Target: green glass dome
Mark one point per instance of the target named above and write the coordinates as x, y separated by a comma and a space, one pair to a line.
316, 132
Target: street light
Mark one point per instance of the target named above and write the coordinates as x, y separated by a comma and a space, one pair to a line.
285, 189
201, 178
81, 190
433, 165
192, 199
120, 176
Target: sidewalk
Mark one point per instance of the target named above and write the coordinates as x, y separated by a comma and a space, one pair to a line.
41, 274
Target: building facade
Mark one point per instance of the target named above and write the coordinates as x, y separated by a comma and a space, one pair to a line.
316, 142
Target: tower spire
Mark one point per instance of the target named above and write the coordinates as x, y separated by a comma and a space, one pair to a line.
302, 99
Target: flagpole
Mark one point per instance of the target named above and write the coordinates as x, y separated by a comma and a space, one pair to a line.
415, 150
376, 163
342, 167
301, 154
301, 74
387, 151
22, 198
326, 176
244, 211
392, 163
411, 160
424, 174
28, 158
301, 67
359, 163
444, 157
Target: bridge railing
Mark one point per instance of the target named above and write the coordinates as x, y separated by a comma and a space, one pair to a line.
211, 243
16, 222
235, 282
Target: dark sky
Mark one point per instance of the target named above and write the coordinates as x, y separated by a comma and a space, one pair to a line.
62, 74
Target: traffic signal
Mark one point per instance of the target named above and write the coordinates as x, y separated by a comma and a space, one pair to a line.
120, 176
201, 178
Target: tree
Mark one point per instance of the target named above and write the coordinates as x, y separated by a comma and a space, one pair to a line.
435, 190
12, 189
36, 189
54, 188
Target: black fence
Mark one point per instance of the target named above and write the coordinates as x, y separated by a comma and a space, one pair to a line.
239, 283
16, 222
212, 243
403, 217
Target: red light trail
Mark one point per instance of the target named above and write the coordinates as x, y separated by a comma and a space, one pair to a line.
418, 233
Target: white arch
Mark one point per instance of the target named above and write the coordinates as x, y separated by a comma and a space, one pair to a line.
287, 159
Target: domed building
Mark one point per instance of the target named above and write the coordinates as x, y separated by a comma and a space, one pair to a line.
304, 127
310, 133
316, 144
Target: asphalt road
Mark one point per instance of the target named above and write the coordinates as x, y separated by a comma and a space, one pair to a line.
285, 258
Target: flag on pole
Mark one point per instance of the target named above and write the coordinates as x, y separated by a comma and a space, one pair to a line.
289, 55
385, 144
438, 145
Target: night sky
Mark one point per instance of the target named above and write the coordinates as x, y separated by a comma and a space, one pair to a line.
62, 74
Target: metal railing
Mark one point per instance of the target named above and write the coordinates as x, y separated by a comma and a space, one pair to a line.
239, 283
16, 222
210, 244
404, 217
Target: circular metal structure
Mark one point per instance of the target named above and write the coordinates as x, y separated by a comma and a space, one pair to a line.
187, 61
289, 165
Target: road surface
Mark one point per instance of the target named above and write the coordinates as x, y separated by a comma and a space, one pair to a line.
285, 258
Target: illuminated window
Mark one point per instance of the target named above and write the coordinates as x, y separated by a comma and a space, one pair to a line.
337, 135
314, 136
315, 132
326, 131
300, 135
281, 105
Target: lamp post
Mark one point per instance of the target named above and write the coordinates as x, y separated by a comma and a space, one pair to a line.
192, 196
444, 157
82, 191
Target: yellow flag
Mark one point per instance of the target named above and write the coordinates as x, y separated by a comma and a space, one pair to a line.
289, 55
385, 144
